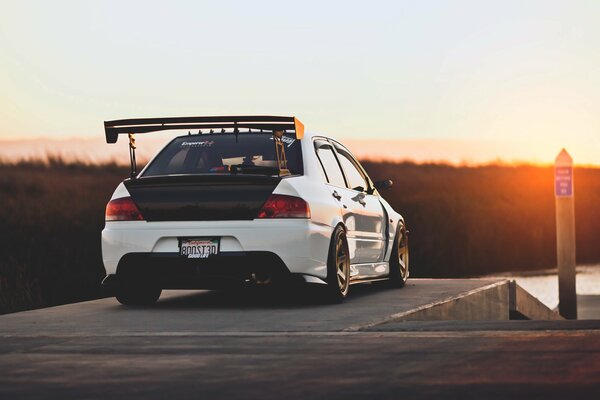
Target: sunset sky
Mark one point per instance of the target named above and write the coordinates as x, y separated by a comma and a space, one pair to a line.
428, 80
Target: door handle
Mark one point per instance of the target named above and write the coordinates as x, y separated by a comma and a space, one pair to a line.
336, 195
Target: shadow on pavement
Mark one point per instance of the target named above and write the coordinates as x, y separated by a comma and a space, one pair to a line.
265, 297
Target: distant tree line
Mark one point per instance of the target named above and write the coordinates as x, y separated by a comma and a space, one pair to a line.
463, 221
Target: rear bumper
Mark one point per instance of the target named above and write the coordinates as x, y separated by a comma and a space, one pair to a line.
170, 271
151, 248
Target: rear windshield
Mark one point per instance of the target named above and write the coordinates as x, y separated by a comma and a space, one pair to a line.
223, 153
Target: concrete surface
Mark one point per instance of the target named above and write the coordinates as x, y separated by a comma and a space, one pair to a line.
203, 311
482, 326
523, 305
497, 301
218, 346
489, 302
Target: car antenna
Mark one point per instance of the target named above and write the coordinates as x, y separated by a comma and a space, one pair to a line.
236, 131
189, 133
199, 131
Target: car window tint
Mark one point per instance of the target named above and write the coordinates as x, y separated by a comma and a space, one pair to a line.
215, 153
353, 175
319, 143
175, 164
331, 166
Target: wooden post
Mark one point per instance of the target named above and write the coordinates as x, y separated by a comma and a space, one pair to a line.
565, 235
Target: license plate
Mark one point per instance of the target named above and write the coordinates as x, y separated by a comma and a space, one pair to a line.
198, 247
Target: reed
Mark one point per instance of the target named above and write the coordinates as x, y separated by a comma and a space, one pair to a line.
463, 221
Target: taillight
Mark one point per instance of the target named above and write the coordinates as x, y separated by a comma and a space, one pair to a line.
123, 209
283, 206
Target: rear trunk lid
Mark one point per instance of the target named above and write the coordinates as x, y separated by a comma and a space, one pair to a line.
216, 197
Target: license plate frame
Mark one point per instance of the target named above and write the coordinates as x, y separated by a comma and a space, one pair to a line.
199, 248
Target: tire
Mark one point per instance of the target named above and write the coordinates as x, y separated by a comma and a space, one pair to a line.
338, 267
138, 295
399, 260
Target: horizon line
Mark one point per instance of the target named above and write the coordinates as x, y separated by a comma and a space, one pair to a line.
420, 151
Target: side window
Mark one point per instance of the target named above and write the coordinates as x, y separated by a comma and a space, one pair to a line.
354, 176
330, 165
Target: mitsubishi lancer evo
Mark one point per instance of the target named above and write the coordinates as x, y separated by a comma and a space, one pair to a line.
251, 200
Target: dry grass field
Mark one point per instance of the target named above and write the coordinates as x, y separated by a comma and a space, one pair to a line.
467, 221
50, 222
463, 221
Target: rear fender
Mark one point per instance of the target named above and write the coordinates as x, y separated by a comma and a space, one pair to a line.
324, 209
120, 191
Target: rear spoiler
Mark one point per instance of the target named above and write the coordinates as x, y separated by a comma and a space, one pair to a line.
254, 122
259, 123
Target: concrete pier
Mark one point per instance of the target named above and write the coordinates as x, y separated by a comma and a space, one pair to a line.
379, 343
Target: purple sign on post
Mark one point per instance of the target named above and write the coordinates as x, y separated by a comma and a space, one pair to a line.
563, 181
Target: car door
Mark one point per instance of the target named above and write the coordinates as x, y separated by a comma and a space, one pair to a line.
336, 183
369, 213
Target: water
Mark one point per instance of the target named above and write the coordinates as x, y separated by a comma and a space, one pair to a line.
545, 285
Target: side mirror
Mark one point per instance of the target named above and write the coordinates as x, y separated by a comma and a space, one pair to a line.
382, 185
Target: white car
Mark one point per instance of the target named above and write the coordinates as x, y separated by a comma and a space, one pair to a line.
247, 199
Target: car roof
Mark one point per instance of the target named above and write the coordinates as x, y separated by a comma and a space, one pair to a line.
312, 135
